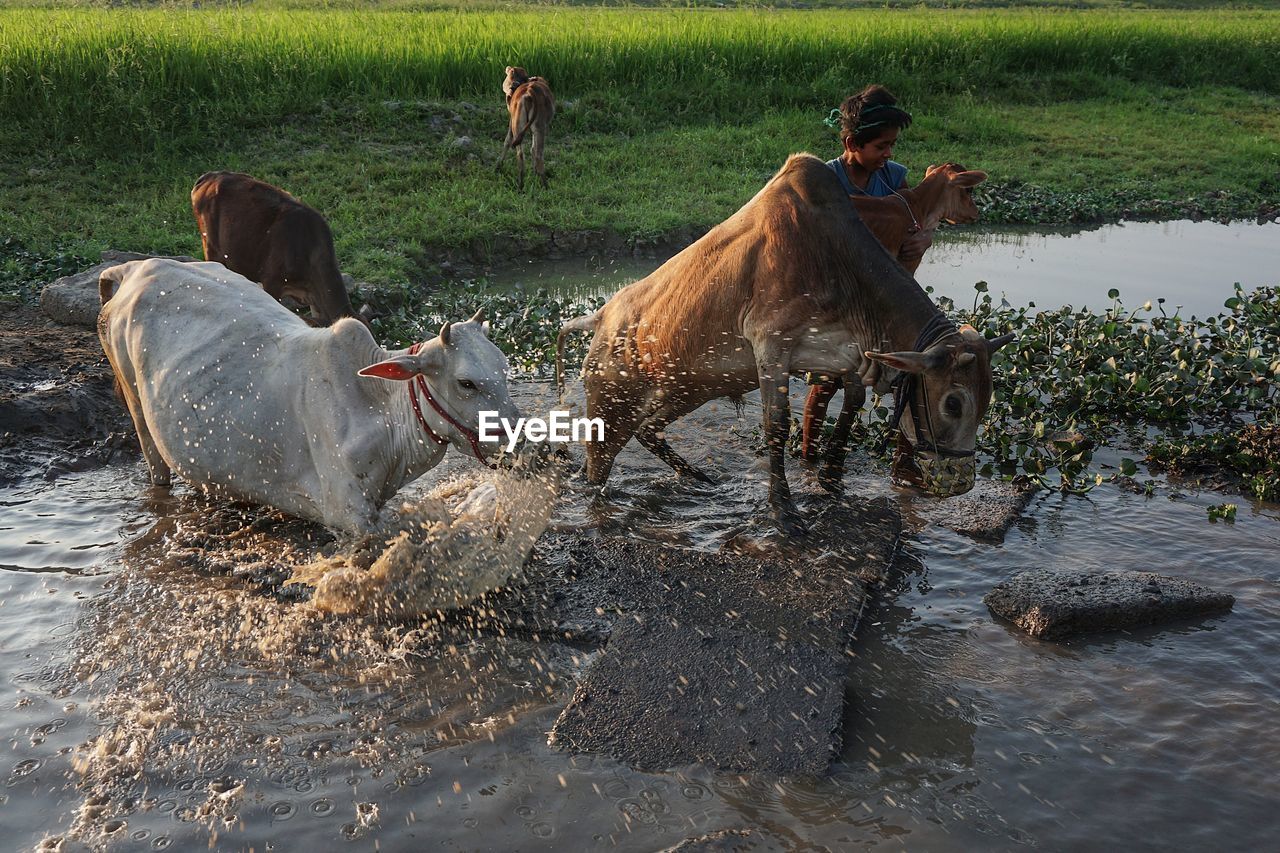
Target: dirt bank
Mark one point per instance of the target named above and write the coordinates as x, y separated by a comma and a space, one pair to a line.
58, 408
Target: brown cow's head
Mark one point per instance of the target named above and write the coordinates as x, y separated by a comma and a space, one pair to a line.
516, 77
949, 397
957, 194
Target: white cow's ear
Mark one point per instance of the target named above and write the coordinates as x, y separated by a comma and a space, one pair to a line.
399, 369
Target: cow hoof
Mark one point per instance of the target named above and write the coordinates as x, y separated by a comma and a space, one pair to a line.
831, 478
789, 522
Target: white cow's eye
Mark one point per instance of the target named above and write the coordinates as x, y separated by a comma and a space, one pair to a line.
467, 384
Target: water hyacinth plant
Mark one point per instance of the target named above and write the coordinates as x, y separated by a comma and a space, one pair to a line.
1077, 378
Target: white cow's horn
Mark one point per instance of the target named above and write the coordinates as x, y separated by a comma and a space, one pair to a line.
478, 318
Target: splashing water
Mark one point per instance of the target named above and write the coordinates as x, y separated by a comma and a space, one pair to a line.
434, 560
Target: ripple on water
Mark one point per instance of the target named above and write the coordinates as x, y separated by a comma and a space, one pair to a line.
207, 676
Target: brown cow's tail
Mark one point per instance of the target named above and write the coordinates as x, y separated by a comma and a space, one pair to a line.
522, 118
585, 323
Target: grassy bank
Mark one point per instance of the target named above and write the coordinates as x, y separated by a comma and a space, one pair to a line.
389, 121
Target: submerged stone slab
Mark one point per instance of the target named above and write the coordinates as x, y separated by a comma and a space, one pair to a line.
577, 586
734, 660
1051, 605
986, 512
666, 693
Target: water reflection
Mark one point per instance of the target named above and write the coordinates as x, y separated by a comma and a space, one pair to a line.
1189, 264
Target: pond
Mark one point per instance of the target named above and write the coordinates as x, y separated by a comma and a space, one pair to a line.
1188, 264
137, 708
122, 689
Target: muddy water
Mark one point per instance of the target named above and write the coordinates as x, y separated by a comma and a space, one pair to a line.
1189, 264
153, 695
148, 702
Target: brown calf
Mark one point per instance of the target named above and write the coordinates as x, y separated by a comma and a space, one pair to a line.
530, 107
270, 237
945, 195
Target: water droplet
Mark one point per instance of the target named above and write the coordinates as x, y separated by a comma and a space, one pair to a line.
693, 791
281, 810
322, 807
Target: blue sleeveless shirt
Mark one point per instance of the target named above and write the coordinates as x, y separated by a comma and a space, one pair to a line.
883, 181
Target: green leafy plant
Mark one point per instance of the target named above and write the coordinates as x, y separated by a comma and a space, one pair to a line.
1223, 512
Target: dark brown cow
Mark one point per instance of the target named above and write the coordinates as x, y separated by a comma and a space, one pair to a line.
792, 282
270, 237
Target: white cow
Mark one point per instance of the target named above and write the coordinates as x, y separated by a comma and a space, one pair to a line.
238, 396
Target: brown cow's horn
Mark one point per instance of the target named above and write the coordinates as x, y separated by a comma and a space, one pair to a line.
444, 333
995, 343
478, 318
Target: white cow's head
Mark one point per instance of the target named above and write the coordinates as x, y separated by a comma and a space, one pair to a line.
465, 375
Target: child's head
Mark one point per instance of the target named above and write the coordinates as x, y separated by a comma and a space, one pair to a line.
870, 122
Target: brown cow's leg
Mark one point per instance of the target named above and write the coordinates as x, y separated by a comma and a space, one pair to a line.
815, 412
777, 425
832, 470
502, 155
651, 439
539, 166
619, 406
520, 163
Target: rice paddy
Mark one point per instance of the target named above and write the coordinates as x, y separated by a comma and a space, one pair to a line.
388, 120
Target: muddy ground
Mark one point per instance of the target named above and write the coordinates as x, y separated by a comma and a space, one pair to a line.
58, 408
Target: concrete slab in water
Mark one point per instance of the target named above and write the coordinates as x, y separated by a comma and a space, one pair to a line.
987, 512
666, 693
577, 586
735, 661
1051, 605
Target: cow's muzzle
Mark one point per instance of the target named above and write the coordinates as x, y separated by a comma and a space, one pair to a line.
943, 474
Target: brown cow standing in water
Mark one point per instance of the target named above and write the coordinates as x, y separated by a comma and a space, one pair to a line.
270, 237
530, 108
792, 282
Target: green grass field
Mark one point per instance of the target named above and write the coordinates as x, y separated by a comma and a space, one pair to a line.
388, 121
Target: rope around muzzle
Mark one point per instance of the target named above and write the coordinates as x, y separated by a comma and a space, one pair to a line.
471, 435
904, 389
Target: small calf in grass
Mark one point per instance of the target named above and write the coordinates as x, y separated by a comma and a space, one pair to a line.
530, 107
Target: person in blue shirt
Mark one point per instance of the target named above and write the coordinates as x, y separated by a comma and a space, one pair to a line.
870, 123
